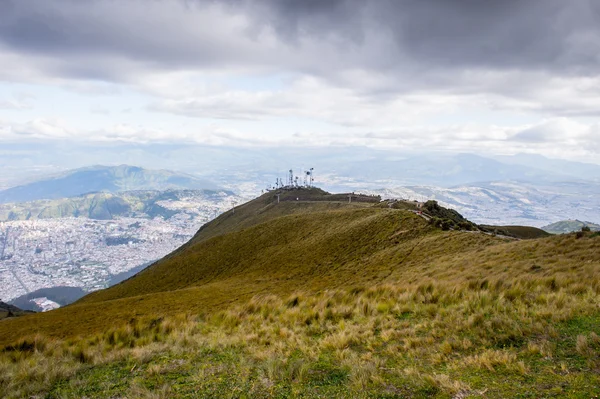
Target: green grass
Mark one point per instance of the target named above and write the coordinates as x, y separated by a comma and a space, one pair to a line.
337, 343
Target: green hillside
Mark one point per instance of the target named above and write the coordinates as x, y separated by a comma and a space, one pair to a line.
102, 205
313, 296
568, 226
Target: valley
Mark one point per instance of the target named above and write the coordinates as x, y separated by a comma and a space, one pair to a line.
46, 245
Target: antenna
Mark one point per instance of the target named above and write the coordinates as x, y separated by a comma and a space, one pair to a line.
291, 182
296, 181
312, 176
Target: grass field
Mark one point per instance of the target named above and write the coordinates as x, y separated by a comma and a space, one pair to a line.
326, 299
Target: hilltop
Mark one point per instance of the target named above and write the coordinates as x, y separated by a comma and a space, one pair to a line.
311, 295
102, 178
569, 226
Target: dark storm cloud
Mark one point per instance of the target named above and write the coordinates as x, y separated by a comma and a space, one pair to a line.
544, 34
379, 47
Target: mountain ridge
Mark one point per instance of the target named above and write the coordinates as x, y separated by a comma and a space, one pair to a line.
102, 178
104, 205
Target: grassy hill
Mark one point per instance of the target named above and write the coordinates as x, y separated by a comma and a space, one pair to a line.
314, 297
568, 226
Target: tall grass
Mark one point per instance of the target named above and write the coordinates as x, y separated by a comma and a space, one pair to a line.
432, 338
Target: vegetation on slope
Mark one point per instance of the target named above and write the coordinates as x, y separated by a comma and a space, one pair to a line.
326, 299
494, 337
102, 205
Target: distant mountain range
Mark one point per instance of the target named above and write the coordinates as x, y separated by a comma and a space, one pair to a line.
106, 206
110, 179
261, 165
519, 189
568, 226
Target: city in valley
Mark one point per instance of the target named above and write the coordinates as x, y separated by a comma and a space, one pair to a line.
89, 253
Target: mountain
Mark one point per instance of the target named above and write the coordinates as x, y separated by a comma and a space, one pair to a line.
102, 178
334, 165
569, 226
577, 170
107, 206
306, 294
444, 170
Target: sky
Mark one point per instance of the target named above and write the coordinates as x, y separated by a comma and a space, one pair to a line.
477, 76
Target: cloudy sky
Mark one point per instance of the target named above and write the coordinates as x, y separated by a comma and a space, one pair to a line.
485, 76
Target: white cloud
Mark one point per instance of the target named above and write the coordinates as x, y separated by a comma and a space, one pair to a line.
351, 74
558, 138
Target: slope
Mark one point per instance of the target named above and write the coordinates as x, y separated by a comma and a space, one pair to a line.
276, 248
262, 247
314, 298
